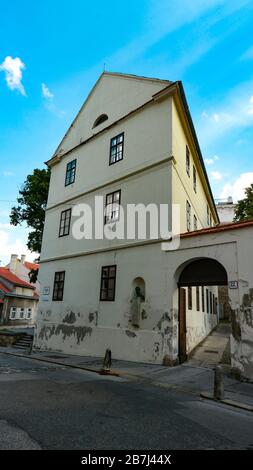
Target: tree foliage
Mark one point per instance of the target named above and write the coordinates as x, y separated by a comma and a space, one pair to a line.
244, 207
31, 205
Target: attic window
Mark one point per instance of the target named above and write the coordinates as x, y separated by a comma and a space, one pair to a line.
100, 119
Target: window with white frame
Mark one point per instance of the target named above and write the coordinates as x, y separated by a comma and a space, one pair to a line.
13, 313
112, 207
21, 313
28, 313
188, 216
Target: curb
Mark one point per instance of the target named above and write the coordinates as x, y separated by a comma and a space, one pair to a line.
228, 401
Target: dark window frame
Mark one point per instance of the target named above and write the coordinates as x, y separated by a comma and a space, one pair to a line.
108, 278
197, 299
188, 216
63, 225
194, 178
207, 301
195, 222
111, 203
189, 297
211, 302
203, 298
115, 146
58, 288
70, 175
187, 161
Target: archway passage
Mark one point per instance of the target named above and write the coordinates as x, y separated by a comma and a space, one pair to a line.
203, 272
198, 274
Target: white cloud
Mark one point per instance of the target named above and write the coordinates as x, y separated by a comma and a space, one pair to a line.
13, 73
7, 173
236, 189
46, 92
6, 226
211, 161
216, 175
9, 246
250, 110
235, 112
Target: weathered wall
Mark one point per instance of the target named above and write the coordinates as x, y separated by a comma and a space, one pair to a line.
19, 302
82, 324
198, 323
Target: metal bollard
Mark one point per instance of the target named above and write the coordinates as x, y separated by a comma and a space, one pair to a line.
107, 360
218, 391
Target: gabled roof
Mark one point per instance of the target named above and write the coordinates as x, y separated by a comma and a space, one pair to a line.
31, 266
13, 279
4, 288
128, 76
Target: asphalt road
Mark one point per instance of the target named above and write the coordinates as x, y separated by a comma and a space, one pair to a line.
45, 406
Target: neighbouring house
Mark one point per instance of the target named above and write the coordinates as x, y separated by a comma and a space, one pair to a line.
133, 141
18, 300
226, 210
22, 268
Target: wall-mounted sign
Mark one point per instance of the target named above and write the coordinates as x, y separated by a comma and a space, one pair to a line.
46, 291
233, 284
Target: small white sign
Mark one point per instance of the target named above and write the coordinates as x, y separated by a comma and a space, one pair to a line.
46, 291
233, 284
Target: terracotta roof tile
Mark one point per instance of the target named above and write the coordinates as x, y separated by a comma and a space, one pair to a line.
9, 276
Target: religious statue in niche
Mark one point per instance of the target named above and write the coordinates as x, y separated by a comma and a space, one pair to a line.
136, 304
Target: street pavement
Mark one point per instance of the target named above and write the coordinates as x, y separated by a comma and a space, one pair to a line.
45, 405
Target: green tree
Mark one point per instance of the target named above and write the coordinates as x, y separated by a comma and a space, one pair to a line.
31, 207
244, 207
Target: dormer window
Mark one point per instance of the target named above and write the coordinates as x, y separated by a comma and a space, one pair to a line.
102, 118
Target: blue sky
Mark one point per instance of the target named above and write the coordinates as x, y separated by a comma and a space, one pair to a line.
52, 52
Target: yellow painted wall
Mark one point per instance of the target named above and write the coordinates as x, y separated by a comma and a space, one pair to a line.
182, 184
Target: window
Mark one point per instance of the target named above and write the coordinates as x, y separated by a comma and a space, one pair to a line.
21, 313
208, 215
59, 278
207, 301
197, 299
102, 118
214, 304
211, 302
28, 313
112, 207
70, 173
194, 179
203, 298
188, 216
195, 222
65, 223
187, 161
13, 313
108, 281
189, 298
116, 148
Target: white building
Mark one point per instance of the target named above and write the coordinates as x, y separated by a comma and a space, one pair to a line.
132, 142
226, 210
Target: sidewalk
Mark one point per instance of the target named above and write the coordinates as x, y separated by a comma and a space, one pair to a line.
186, 377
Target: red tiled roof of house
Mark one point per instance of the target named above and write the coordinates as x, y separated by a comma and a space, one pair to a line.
218, 228
9, 276
4, 288
31, 266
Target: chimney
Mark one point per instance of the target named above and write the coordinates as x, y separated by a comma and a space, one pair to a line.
13, 263
22, 259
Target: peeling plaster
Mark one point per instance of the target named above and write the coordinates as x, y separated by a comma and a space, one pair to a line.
70, 318
131, 334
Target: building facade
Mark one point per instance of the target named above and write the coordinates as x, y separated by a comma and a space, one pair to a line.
133, 142
18, 300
